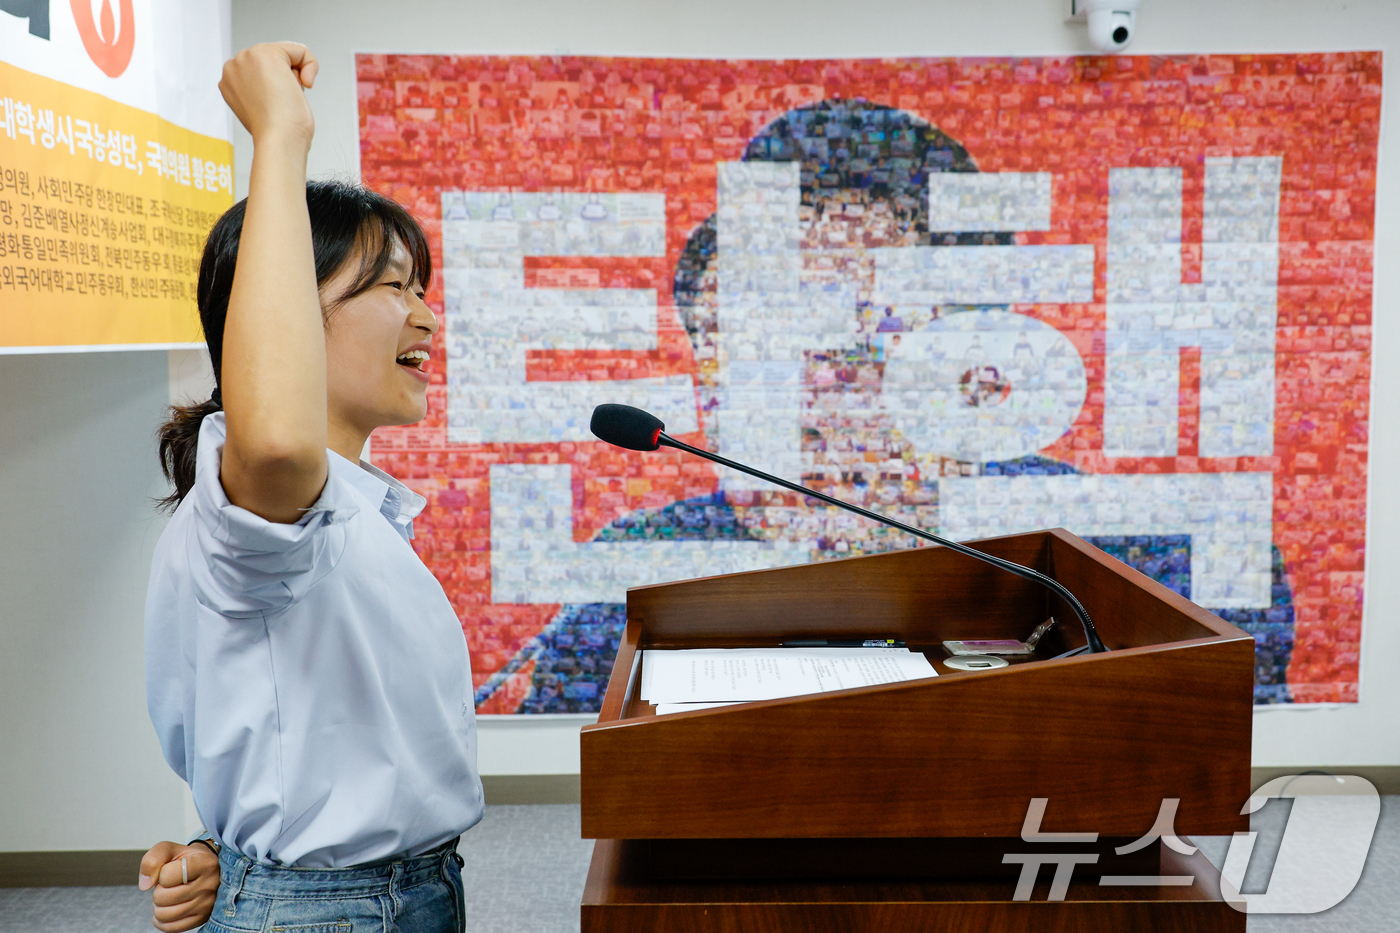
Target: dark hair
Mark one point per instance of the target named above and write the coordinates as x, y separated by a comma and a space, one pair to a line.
345, 219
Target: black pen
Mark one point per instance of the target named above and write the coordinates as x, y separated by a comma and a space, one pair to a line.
853, 643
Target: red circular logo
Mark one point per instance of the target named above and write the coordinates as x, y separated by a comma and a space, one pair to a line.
109, 50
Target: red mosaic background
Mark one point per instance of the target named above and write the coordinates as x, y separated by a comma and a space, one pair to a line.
430, 123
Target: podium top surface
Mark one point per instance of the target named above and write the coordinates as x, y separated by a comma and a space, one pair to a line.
925, 595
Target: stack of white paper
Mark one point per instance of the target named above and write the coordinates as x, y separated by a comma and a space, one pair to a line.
701, 678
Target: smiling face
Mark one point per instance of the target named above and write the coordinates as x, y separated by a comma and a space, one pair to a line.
377, 347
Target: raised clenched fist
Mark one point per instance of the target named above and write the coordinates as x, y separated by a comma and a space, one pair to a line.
264, 86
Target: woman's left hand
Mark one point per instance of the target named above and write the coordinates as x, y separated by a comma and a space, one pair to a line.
185, 880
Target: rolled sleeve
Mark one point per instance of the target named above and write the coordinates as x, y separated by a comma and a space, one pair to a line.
249, 566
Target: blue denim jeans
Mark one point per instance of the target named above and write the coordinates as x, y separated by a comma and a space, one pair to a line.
422, 894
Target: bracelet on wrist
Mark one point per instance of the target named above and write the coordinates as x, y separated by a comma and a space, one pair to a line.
207, 843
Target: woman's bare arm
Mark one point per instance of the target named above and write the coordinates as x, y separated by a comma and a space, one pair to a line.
273, 375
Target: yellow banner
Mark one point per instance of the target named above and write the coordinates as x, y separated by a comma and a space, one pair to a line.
104, 210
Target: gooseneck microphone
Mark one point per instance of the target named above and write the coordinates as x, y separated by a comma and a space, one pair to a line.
634, 429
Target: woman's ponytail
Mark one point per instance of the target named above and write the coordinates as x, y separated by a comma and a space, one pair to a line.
178, 438
179, 441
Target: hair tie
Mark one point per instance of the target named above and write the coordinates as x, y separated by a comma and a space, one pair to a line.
217, 397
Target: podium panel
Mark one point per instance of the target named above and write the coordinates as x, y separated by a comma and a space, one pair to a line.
619, 897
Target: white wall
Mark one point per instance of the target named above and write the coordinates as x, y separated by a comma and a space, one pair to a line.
82, 769
81, 765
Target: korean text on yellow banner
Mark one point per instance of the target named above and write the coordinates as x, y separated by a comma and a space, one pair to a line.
104, 209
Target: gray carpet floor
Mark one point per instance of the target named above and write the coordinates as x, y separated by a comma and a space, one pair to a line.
525, 867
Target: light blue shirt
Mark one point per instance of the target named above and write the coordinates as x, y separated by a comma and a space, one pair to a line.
310, 681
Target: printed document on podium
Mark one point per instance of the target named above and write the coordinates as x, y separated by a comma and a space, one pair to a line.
678, 680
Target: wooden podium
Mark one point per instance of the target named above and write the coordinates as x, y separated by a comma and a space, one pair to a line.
893, 808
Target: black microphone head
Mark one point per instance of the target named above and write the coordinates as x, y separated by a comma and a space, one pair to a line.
625, 426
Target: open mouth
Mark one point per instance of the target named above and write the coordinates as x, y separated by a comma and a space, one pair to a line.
414, 359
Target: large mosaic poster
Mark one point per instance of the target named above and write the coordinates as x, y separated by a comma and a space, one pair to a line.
1127, 296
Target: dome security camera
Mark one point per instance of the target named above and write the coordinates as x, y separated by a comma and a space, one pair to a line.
1112, 23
